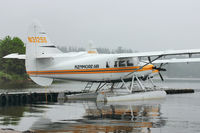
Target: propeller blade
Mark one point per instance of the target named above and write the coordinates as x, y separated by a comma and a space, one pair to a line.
161, 65
162, 69
161, 76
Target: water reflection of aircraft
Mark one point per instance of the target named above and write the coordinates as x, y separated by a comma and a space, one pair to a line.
121, 117
44, 62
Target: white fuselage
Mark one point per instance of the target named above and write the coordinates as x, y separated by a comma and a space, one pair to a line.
89, 67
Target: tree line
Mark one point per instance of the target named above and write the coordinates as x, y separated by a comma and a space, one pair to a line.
118, 50
12, 69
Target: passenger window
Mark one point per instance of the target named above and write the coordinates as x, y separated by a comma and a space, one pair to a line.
122, 63
129, 63
116, 62
107, 66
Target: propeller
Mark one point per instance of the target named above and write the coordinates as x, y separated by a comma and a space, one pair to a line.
159, 70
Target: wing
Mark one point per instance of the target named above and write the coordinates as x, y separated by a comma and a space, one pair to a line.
160, 53
15, 56
174, 60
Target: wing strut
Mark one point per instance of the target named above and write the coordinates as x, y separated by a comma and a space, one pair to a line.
150, 61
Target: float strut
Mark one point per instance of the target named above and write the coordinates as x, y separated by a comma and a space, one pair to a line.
100, 86
152, 82
140, 84
126, 85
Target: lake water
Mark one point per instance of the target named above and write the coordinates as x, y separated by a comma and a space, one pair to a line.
177, 113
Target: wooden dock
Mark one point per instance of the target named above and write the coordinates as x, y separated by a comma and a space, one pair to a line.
22, 98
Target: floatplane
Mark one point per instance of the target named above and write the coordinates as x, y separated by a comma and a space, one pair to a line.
45, 62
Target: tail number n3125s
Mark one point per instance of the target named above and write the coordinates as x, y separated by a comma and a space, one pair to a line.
37, 39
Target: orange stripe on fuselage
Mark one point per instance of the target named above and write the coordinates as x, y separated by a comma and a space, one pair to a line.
91, 71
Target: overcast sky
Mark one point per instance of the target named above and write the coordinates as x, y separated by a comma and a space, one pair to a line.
143, 25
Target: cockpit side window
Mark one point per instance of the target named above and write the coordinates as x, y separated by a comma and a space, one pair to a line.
122, 63
129, 62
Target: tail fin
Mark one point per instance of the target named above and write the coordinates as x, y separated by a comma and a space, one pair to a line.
91, 48
38, 44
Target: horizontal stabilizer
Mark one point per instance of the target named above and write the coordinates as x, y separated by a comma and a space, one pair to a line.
15, 56
42, 81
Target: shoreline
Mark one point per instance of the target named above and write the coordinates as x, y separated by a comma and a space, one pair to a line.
10, 130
